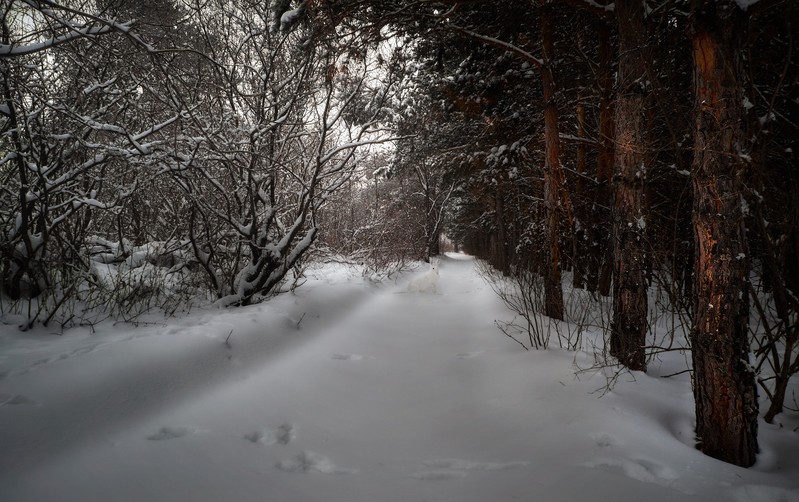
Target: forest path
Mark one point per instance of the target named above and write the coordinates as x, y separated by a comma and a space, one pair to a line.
407, 393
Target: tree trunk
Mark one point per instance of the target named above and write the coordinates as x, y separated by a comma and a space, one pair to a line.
778, 397
579, 239
601, 257
629, 327
553, 174
500, 260
724, 385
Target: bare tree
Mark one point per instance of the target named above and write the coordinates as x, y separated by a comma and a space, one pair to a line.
70, 120
269, 155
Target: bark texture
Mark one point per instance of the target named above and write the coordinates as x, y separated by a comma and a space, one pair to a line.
600, 270
724, 385
629, 327
554, 194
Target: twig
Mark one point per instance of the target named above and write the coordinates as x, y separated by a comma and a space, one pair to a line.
505, 332
678, 373
227, 340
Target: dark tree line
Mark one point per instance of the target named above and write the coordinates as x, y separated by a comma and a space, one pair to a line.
633, 145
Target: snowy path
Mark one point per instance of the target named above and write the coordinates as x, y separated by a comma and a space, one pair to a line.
394, 396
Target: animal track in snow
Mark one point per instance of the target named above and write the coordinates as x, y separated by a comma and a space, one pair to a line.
456, 464
173, 432
451, 468
50, 360
16, 400
282, 434
603, 439
763, 493
83, 350
347, 357
438, 475
311, 462
645, 470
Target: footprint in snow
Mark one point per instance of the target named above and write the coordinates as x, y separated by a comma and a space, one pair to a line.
451, 468
283, 434
173, 432
310, 462
603, 439
42, 362
13, 319
641, 469
764, 493
61, 357
440, 475
347, 357
83, 350
457, 464
16, 400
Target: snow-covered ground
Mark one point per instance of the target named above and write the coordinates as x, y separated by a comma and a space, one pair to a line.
347, 391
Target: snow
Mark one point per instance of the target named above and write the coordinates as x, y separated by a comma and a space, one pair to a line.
745, 4
607, 8
290, 17
75, 32
350, 391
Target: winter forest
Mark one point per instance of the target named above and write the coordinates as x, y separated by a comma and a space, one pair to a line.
408, 234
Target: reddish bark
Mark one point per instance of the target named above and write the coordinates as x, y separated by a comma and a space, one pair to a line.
578, 241
600, 270
554, 194
629, 327
724, 386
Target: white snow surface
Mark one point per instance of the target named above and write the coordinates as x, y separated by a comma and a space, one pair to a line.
347, 391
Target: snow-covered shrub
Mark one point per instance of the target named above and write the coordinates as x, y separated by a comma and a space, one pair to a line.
120, 281
375, 226
523, 295
522, 291
774, 334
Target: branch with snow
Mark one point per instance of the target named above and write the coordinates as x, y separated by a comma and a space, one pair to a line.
530, 58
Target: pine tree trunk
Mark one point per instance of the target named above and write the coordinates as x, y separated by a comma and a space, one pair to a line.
553, 174
579, 239
500, 261
724, 386
580, 249
601, 257
629, 327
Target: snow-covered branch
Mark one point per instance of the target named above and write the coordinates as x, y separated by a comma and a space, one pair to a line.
530, 58
10, 50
